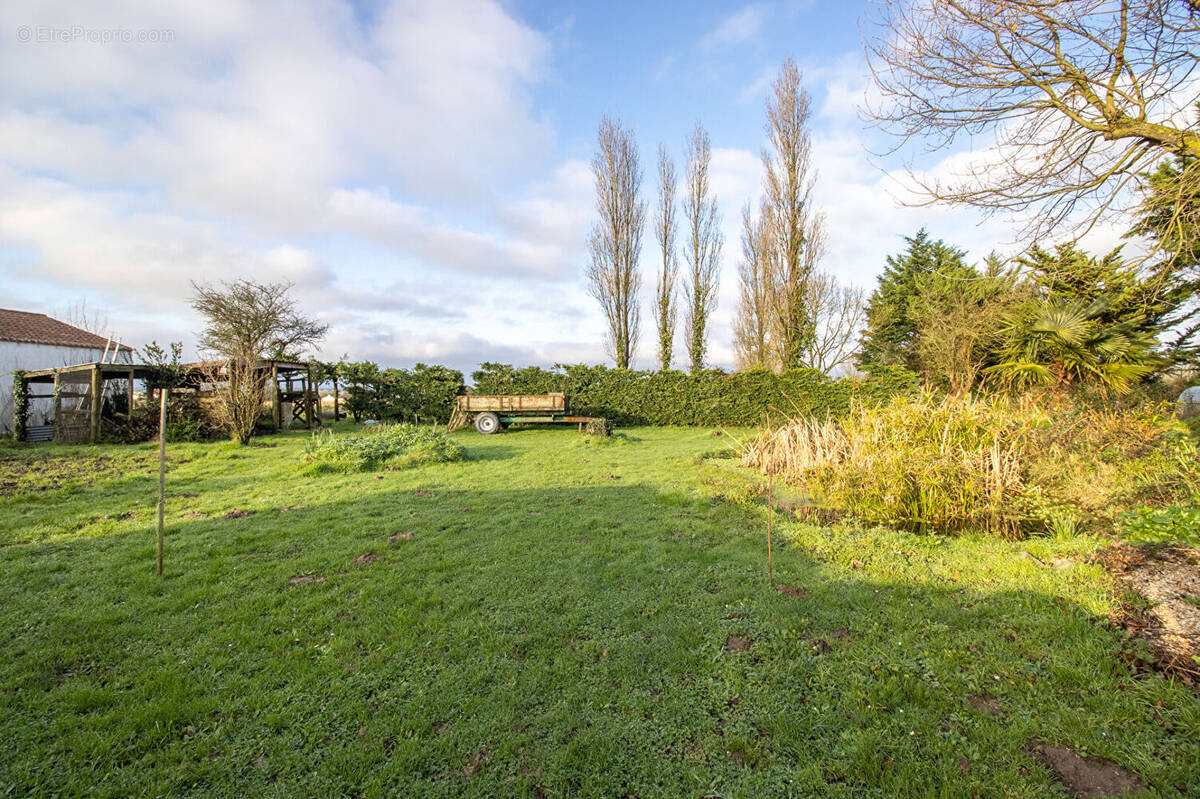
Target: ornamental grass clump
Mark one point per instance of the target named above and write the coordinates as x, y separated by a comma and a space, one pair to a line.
385, 446
1005, 466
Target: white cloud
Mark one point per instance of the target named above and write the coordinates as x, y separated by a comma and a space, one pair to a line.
740, 26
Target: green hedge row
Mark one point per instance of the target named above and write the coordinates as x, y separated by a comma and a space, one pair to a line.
709, 398
422, 394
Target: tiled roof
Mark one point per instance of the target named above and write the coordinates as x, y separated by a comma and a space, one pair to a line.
37, 328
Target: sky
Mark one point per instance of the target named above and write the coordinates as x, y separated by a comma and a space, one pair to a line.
419, 170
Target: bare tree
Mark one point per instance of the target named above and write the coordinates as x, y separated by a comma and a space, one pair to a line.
840, 312
246, 321
755, 319
616, 237
666, 229
703, 249
1079, 97
788, 184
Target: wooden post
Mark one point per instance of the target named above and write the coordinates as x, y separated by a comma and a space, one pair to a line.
129, 399
97, 404
770, 491
162, 475
58, 431
336, 412
308, 398
276, 408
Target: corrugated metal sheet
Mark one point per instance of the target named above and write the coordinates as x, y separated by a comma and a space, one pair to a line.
39, 432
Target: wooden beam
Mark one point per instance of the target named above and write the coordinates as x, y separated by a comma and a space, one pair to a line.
276, 411
97, 404
308, 398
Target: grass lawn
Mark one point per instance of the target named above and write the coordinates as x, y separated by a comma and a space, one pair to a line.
548, 619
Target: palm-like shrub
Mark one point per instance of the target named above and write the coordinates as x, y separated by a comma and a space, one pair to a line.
1065, 344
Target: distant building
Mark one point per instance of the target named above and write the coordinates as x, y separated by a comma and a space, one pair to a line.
31, 341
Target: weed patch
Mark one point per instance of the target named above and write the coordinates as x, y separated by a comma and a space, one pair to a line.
382, 447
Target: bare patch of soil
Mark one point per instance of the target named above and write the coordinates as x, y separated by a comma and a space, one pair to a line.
237, 513
19, 475
397, 537
738, 643
475, 762
291, 508
1168, 577
1085, 776
819, 645
986, 703
365, 558
304, 579
792, 591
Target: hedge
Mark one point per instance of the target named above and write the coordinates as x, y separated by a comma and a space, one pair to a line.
709, 398
424, 393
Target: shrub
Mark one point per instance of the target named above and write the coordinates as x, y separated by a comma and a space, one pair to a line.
709, 398
383, 446
599, 427
1004, 466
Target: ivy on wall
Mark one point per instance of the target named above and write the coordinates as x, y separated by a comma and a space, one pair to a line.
20, 405
708, 398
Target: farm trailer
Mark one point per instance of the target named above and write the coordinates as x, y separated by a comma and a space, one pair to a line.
492, 412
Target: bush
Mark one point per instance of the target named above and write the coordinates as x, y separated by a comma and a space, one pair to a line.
999, 465
384, 446
708, 399
599, 427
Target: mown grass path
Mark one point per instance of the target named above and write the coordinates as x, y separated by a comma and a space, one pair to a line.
556, 624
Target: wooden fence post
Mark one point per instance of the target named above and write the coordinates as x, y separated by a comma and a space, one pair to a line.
97, 404
162, 475
276, 407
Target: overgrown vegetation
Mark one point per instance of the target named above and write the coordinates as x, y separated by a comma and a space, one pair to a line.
709, 398
388, 446
1001, 465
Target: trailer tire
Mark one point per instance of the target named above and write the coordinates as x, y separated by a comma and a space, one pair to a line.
487, 423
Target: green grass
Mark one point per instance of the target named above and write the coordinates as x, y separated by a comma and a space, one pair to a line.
555, 626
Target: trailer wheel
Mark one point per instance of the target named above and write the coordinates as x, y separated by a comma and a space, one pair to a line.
487, 423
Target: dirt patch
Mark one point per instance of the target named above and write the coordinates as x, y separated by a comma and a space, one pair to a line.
291, 508
237, 513
304, 579
792, 591
475, 762
397, 537
819, 645
840, 632
365, 558
738, 643
423, 492
21, 475
1168, 577
986, 703
1085, 776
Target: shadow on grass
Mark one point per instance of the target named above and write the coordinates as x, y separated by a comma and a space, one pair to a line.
596, 639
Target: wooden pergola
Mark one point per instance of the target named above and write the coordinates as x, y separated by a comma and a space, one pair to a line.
291, 381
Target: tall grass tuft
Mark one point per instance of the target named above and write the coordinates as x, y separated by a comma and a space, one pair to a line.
385, 446
1002, 465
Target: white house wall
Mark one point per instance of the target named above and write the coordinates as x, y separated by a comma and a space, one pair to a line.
31, 357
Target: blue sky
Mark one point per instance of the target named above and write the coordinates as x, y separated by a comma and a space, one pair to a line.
419, 170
